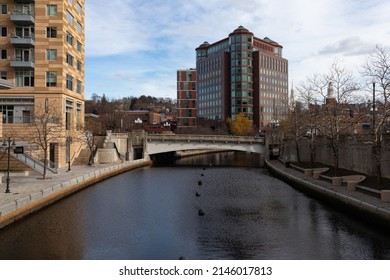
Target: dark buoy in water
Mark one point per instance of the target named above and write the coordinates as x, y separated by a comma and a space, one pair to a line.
202, 174
199, 183
182, 258
204, 168
201, 212
197, 194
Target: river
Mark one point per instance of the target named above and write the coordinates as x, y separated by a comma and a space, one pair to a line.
153, 213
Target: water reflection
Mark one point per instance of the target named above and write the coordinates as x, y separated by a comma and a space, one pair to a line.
152, 213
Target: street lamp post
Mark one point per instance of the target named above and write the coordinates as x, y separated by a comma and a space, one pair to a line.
7, 145
373, 105
68, 141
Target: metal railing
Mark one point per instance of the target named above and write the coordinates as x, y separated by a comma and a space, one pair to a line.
36, 164
17, 120
20, 12
117, 151
205, 138
18, 58
30, 36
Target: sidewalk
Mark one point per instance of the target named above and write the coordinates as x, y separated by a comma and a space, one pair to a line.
362, 205
29, 193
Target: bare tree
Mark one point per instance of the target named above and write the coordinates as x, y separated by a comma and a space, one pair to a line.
343, 82
333, 118
337, 117
92, 128
47, 123
377, 68
313, 90
309, 93
293, 127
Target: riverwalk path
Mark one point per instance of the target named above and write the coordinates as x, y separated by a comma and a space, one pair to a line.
30, 193
361, 205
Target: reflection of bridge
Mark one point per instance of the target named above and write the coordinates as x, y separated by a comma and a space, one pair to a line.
161, 143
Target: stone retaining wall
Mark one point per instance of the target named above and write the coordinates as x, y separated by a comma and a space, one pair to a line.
353, 155
361, 209
21, 207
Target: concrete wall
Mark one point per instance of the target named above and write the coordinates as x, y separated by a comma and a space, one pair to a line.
107, 156
120, 140
353, 155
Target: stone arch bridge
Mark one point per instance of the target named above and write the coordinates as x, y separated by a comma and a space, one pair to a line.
139, 144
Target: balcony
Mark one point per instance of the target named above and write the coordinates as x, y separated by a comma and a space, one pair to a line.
23, 17
5, 84
20, 63
25, 41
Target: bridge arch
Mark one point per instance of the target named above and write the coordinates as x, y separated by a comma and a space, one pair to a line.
161, 143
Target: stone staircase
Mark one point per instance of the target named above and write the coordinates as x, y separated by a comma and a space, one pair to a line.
35, 164
83, 157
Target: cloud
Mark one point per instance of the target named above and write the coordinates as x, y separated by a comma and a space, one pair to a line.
136, 46
350, 46
112, 28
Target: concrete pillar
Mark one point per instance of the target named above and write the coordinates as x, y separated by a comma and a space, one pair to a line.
145, 146
261, 160
385, 195
351, 186
337, 181
308, 172
316, 174
130, 149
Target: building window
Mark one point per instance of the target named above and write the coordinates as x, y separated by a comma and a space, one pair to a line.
69, 82
51, 79
24, 78
71, 2
79, 65
79, 8
51, 32
78, 116
51, 10
4, 31
3, 54
69, 17
69, 38
24, 31
79, 86
79, 46
4, 9
7, 111
68, 114
69, 59
24, 55
51, 54
79, 27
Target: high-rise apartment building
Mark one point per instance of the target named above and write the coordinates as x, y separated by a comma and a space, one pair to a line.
186, 98
42, 66
242, 74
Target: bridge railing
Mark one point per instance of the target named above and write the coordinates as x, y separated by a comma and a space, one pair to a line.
205, 138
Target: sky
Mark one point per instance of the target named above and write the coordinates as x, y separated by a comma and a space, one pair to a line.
135, 47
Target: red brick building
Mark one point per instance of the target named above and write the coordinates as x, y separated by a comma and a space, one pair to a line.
186, 98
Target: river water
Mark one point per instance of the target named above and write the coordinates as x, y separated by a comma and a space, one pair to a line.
153, 213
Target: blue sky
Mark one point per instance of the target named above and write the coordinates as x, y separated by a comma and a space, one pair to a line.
134, 47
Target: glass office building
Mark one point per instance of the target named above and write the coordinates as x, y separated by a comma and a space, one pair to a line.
242, 74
